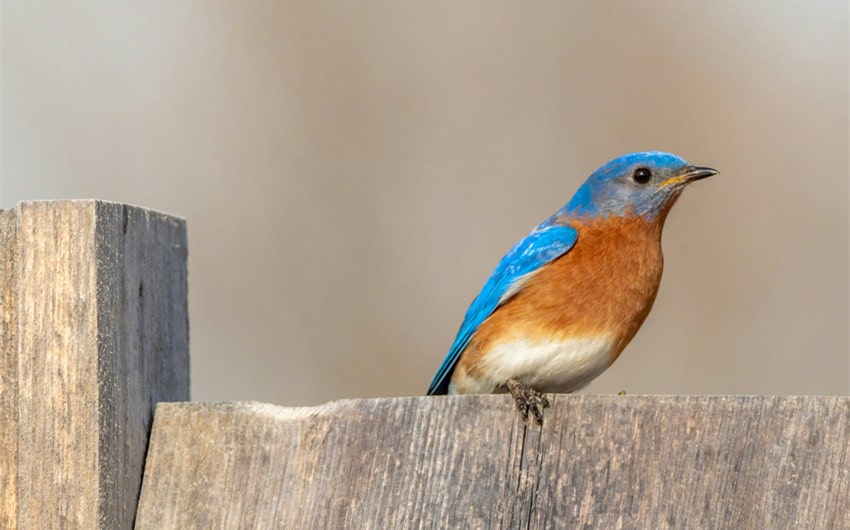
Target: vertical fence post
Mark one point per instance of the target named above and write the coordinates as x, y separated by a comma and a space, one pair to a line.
93, 333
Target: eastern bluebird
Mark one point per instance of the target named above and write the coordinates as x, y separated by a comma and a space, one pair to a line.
566, 299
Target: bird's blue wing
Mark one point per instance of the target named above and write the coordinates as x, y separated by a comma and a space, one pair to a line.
545, 244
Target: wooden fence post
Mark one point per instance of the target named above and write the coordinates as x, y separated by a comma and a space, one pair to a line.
93, 333
469, 462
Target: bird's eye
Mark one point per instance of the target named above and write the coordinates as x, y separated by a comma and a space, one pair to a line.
642, 175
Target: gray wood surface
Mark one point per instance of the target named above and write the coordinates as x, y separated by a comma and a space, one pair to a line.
94, 334
469, 462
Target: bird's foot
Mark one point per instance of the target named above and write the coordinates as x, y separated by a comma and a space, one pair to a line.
528, 400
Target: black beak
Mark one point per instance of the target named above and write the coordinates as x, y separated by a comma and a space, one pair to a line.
696, 172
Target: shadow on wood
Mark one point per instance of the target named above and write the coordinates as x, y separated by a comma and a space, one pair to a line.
469, 462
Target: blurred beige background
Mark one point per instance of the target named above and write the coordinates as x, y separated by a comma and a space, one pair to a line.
352, 172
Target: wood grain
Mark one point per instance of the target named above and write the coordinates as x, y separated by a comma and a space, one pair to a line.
95, 332
468, 462
8, 373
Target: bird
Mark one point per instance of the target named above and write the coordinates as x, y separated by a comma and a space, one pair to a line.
564, 302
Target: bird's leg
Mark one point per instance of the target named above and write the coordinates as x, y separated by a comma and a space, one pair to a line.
528, 400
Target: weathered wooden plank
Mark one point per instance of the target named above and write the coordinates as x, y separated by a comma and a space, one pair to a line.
143, 343
8, 373
98, 335
468, 462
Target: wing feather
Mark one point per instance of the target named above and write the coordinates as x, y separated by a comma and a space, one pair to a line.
545, 244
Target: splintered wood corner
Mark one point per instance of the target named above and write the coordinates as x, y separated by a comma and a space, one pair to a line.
469, 462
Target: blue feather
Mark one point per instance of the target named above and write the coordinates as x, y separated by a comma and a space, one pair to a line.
544, 244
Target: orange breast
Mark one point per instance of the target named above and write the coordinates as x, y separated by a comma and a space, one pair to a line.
606, 284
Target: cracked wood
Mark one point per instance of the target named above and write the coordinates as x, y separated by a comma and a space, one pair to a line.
469, 462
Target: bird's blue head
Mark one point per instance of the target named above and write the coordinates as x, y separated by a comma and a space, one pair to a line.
642, 184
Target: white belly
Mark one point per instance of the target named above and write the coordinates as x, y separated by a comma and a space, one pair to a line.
555, 365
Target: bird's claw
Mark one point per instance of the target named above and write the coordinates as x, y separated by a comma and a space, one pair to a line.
528, 400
